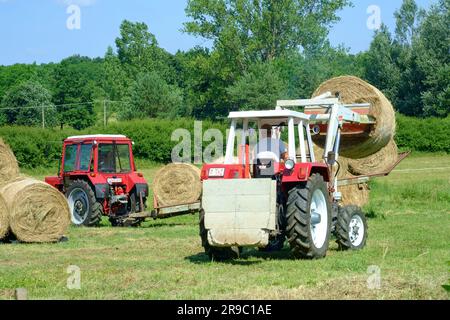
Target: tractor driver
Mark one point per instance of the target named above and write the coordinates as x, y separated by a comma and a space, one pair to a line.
268, 146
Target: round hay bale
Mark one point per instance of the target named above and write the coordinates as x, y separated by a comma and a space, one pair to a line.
9, 169
177, 183
356, 194
355, 90
4, 221
376, 163
37, 211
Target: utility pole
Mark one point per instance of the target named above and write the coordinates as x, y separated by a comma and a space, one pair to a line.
104, 113
43, 117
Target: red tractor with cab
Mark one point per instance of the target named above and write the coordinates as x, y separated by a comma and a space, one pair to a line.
97, 173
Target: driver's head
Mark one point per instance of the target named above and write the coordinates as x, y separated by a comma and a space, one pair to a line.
266, 131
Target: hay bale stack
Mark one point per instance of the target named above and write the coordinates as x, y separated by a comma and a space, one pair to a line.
4, 220
177, 183
9, 169
37, 211
376, 137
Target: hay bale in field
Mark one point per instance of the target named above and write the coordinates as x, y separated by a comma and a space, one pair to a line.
355, 90
356, 194
177, 183
37, 211
376, 163
4, 220
9, 169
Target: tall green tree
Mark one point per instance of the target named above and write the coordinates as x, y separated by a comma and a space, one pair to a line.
24, 104
152, 97
257, 89
78, 84
381, 64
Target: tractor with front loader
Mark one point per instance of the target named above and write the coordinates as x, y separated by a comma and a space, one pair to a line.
264, 199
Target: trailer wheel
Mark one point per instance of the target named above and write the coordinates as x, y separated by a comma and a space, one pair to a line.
351, 228
215, 253
309, 219
84, 208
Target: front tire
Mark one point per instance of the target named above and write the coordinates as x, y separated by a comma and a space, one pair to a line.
84, 208
351, 228
309, 219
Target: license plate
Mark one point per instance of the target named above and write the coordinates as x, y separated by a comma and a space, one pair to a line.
114, 180
216, 172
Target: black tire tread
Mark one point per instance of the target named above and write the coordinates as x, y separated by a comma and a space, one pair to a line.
342, 226
95, 215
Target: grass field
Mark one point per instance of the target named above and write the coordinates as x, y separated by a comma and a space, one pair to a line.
409, 243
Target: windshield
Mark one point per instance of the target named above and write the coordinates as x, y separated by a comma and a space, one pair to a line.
114, 158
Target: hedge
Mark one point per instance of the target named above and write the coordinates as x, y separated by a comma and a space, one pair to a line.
36, 147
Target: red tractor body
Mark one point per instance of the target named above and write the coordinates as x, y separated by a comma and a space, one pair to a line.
98, 173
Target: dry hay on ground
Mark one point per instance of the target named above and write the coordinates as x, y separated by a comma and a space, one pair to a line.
37, 211
177, 184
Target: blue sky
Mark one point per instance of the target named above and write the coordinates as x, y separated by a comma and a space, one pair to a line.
36, 31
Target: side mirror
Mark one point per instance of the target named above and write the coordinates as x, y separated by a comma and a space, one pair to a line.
331, 158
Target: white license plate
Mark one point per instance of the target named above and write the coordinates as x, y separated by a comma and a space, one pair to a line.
216, 172
114, 180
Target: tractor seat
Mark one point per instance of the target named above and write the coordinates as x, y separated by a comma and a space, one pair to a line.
265, 165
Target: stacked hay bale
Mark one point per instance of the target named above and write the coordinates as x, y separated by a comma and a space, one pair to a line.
177, 183
371, 152
31, 210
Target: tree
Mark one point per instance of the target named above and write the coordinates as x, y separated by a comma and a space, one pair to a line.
152, 97
24, 103
78, 82
381, 68
138, 52
257, 89
262, 29
433, 59
407, 22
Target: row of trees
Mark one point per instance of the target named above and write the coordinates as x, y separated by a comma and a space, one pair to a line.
261, 51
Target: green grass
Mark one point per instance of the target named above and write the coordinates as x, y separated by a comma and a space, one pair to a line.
409, 240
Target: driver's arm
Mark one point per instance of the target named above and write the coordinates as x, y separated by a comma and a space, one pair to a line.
283, 151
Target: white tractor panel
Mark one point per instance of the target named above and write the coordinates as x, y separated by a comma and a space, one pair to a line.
239, 212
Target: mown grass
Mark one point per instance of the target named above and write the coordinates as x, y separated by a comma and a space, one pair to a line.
409, 242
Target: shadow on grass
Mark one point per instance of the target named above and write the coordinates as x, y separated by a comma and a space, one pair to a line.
244, 259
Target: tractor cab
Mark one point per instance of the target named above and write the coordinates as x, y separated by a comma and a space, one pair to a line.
98, 175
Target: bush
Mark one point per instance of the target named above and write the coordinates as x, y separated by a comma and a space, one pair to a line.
426, 135
35, 147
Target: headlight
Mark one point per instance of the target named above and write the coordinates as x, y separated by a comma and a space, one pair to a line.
289, 164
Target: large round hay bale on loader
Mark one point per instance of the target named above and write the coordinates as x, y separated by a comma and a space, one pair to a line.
355, 194
37, 211
376, 136
9, 169
177, 183
4, 220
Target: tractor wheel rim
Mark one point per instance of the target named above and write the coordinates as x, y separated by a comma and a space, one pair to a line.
79, 206
356, 230
319, 219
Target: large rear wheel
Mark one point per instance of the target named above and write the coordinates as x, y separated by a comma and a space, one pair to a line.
84, 208
309, 219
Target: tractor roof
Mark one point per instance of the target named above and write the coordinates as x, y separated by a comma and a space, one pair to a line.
99, 137
270, 115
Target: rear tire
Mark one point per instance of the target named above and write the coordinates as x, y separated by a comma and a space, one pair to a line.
215, 253
351, 228
85, 210
309, 219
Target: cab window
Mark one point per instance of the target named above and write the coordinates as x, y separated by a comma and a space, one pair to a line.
70, 157
85, 157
